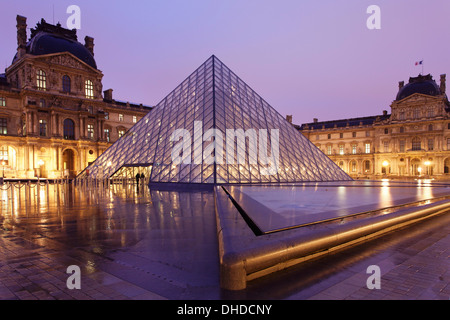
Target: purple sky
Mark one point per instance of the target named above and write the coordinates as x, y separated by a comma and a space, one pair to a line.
311, 59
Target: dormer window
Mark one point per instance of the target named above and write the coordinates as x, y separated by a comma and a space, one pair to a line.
89, 89
41, 80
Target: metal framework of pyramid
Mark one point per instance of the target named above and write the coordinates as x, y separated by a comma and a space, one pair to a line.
213, 97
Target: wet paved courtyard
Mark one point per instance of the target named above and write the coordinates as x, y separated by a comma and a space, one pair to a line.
148, 244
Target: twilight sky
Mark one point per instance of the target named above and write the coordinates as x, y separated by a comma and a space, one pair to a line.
311, 59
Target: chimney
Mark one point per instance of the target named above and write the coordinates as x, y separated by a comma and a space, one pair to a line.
21, 36
289, 118
89, 44
401, 84
442, 86
315, 120
107, 95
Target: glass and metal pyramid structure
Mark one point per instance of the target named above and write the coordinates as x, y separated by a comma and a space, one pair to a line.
214, 129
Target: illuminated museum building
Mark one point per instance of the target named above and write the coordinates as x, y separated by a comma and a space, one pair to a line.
412, 141
54, 120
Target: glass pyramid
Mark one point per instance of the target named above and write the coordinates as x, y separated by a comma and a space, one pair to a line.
213, 97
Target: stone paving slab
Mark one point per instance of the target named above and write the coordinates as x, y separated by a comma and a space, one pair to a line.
33, 276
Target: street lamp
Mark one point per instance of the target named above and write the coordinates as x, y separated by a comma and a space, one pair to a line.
385, 164
427, 165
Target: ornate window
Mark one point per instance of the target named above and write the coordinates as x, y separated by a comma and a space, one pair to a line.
69, 129
90, 131
3, 126
402, 144
2, 102
4, 158
42, 127
416, 144
107, 135
89, 89
41, 80
367, 148
353, 166
366, 166
430, 144
66, 83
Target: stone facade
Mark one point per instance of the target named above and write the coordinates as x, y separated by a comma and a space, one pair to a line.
54, 117
412, 141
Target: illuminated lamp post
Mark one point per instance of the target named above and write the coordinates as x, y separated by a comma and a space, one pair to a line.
385, 165
427, 165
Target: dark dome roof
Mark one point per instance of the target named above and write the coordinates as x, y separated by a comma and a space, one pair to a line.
421, 84
47, 39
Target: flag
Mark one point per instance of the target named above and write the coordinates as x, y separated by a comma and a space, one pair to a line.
419, 62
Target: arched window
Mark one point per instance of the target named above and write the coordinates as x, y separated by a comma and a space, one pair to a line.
66, 83
69, 129
89, 89
366, 165
41, 80
353, 166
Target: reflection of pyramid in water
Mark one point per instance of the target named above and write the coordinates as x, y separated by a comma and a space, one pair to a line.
214, 97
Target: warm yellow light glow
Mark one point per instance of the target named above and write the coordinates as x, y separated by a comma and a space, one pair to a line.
385, 163
427, 163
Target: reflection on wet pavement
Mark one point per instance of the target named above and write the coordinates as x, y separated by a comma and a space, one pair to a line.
163, 242
162, 245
